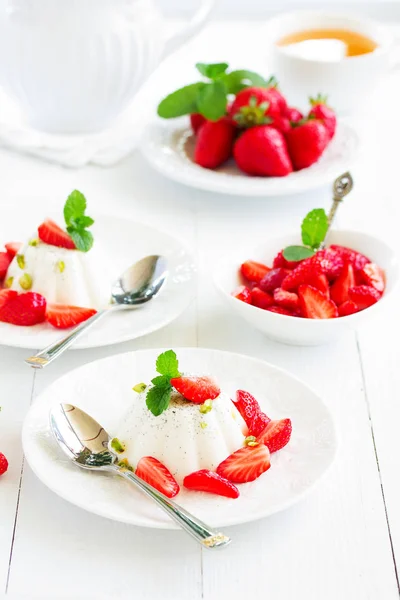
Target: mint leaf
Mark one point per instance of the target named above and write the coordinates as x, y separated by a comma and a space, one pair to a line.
162, 380
83, 221
75, 206
167, 364
212, 100
212, 70
295, 253
181, 102
157, 399
82, 239
314, 228
238, 80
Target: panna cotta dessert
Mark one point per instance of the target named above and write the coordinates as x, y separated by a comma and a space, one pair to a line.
182, 430
58, 275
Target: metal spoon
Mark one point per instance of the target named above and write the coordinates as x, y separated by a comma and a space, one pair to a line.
341, 187
86, 443
136, 286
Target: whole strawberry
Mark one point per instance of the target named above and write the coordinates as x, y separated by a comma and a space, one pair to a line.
214, 143
262, 151
293, 114
254, 106
306, 143
272, 85
321, 111
196, 121
3, 464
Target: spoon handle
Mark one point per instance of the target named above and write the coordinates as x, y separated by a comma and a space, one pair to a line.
207, 537
46, 356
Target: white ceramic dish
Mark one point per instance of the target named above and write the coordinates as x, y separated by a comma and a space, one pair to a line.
127, 242
169, 146
297, 331
295, 469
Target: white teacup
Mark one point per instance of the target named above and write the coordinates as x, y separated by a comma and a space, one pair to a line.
347, 81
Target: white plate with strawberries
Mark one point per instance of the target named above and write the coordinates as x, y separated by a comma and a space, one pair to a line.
244, 138
54, 279
271, 473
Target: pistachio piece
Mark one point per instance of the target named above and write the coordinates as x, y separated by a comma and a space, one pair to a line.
206, 407
124, 464
251, 440
117, 446
60, 265
33, 242
25, 281
21, 261
139, 388
203, 424
8, 282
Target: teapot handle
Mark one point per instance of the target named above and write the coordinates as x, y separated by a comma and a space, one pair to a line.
191, 28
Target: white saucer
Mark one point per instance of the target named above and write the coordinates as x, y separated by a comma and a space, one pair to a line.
294, 471
128, 241
169, 145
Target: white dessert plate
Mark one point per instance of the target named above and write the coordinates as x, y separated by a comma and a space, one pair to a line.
104, 389
125, 242
169, 148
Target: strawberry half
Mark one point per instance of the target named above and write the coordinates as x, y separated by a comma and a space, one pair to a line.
156, 474
288, 300
276, 434
357, 259
347, 308
50, 233
62, 316
251, 412
307, 273
6, 296
254, 271
315, 304
261, 299
374, 276
24, 309
12, 248
273, 279
364, 296
280, 261
345, 281
243, 293
330, 261
246, 464
208, 481
280, 310
4, 264
196, 389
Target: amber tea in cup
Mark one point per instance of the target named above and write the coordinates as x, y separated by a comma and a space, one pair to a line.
356, 43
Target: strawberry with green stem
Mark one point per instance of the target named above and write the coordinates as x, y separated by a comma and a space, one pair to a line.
321, 111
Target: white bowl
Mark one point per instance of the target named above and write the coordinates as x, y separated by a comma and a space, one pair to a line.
294, 330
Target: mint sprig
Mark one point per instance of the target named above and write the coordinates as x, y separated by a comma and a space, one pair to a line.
314, 228
209, 98
159, 395
77, 222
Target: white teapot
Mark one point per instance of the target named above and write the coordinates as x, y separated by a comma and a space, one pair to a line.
73, 65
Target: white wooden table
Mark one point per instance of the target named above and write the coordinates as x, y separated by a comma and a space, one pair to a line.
342, 542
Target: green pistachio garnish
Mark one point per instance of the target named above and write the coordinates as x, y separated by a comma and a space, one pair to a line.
8, 282
124, 464
251, 440
25, 281
117, 446
33, 242
206, 407
60, 266
203, 424
21, 261
139, 388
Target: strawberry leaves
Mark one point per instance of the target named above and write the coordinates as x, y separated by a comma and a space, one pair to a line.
314, 228
209, 98
158, 397
77, 222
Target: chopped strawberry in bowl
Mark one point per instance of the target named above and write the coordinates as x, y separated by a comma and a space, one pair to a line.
314, 300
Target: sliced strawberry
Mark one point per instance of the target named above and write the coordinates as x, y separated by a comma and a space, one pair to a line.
276, 434
4, 264
196, 389
357, 259
364, 296
286, 299
280, 261
196, 121
6, 296
12, 248
374, 276
24, 309
280, 310
315, 304
208, 481
156, 474
251, 412
254, 271
50, 233
243, 293
345, 281
273, 279
245, 464
347, 308
261, 299
307, 273
62, 316
330, 261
